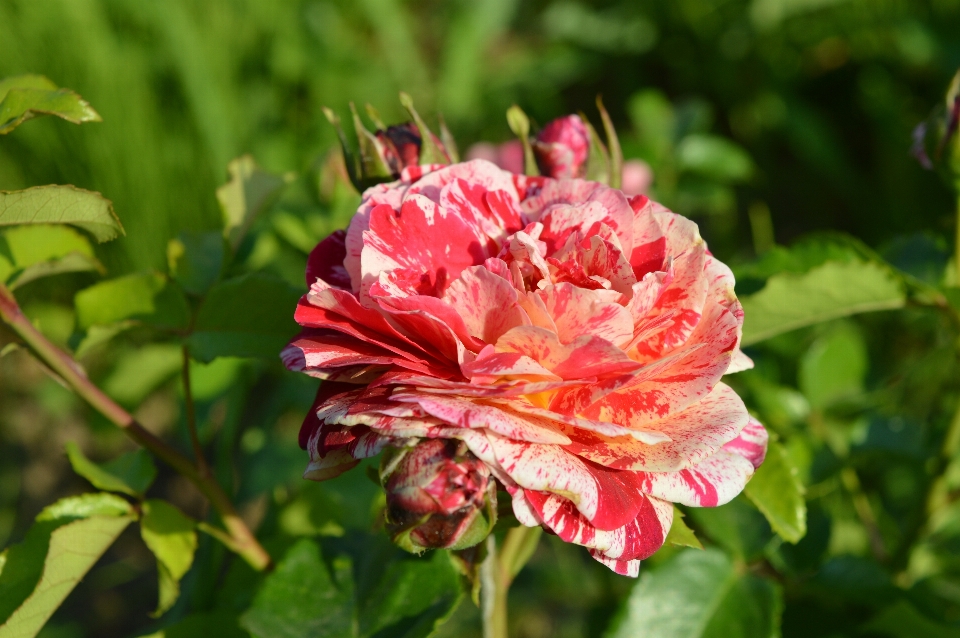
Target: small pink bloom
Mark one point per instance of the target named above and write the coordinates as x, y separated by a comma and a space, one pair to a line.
571, 338
637, 177
562, 147
508, 156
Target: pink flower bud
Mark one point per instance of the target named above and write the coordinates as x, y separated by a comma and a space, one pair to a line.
437, 494
562, 147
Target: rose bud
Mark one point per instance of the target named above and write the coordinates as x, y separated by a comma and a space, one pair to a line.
439, 495
562, 148
401, 146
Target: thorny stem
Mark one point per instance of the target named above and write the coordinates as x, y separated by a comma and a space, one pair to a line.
243, 542
191, 411
497, 573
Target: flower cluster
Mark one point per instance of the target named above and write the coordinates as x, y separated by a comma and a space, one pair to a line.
547, 336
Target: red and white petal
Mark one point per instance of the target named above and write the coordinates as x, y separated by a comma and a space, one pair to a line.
586, 356
472, 415
751, 443
487, 303
635, 540
695, 434
423, 237
709, 483
578, 311
326, 261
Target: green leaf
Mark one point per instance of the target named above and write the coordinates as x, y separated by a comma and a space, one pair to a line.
196, 260
359, 586
834, 367
700, 595
172, 538
427, 590
61, 547
217, 624
714, 157
70, 205
24, 97
903, 620
249, 192
737, 527
248, 316
776, 490
147, 297
99, 335
302, 599
130, 473
680, 534
40, 251
832, 290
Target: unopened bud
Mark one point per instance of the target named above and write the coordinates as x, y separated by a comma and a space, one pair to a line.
439, 495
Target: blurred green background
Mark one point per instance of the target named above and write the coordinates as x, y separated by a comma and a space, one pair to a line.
811, 104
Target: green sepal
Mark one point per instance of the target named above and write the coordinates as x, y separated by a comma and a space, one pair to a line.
351, 162
373, 164
519, 123
374, 116
598, 159
613, 143
449, 143
430, 153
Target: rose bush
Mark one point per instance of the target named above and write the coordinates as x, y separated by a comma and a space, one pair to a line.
572, 339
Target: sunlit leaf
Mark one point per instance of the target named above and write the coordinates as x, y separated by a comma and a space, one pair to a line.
130, 473
146, 297
42, 250
700, 595
172, 538
249, 192
24, 97
776, 490
248, 316
70, 205
680, 534
61, 547
829, 291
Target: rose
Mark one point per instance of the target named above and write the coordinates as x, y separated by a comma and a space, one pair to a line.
571, 338
562, 147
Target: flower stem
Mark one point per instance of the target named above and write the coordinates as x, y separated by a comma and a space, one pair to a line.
244, 542
497, 574
191, 415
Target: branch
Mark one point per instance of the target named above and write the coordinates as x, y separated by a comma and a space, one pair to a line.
243, 540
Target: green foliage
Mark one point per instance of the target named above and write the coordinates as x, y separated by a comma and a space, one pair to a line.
27, 96
681, 535
776, 490
40, 251
727, 604
339, 597
130, 473
228, 325
61, 205
172, 538
61, 547
145, 297
248, 193
830, 291
196, 260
